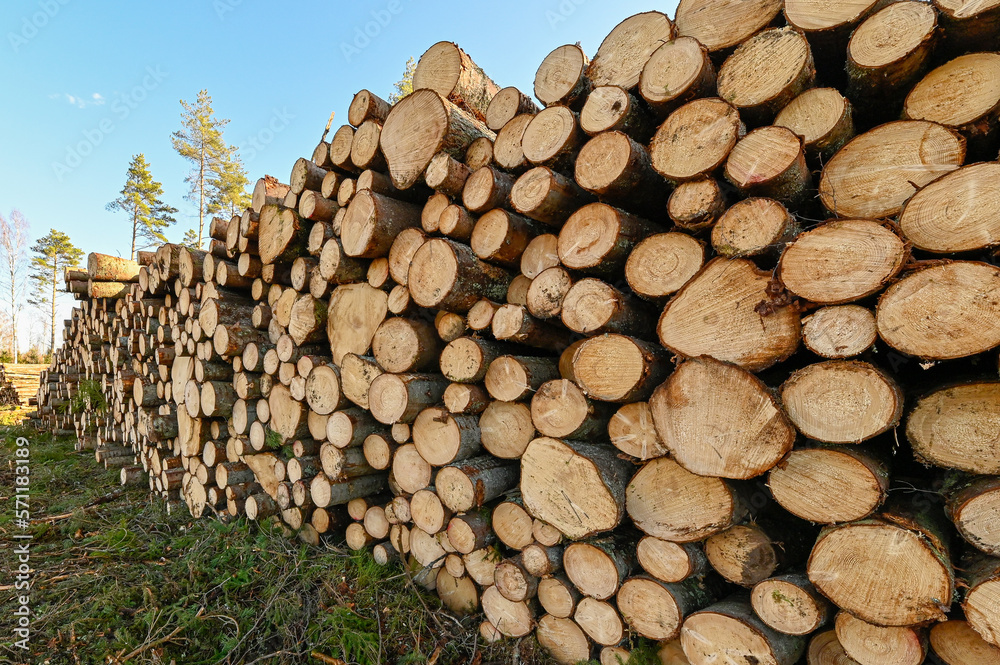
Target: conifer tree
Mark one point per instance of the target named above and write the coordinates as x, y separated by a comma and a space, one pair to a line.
404, 86
140, 200
53, 253
217, 178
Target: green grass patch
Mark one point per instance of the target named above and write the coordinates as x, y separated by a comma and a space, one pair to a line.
118, 578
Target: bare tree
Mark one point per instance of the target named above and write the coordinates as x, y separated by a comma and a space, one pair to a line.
14, 262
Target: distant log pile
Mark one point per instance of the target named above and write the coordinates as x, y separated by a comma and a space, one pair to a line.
701, 348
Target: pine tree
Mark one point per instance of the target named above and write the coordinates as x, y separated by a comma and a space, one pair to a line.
404, 86
190, 239
200, 142
53, 253
140, 199
227, 190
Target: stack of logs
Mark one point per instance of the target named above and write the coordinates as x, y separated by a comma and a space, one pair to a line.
700, 350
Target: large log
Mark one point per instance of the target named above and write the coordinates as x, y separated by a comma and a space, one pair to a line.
576, 487
420, 126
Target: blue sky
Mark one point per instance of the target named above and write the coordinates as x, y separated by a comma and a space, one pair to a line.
88, 84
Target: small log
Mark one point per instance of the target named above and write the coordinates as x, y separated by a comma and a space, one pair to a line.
841, 331
372, 223
866, 643
553, 138
662, 263
505, 105
593, 307
508, 149
676, 72
514, 378
730, 626
823, 118
868, 402
770, 162
470, 483
949, 427
696, 204
366, 105
547, 196
446, 275
612, 108
597, 238
506, 429
695, 139
722, 25
616, 368
446, 175
830, 484
396, 398
449, 71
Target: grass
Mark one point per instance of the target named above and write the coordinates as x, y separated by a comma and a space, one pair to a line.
118, 579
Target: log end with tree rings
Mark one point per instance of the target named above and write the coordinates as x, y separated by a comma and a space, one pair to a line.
696, 204
668, 561
769, 161
631, 431
695, 139
822, 117
600, 620
867, 643
506, 429
732, 628
942, 312
622, 54
506, 105
842, 401
882, 572
842, 261
458, 594
816, 16
952, 427
677, 71
973, 506
830, 484
616, 368
508, 150
417, 128
577, 488
559, 408
790, 604
703, 392
957, 212
743, 554
839, 331
766, 72
442, 438
753, 226
957, 643
551, 135
563, 639
722, 25
510, 618
547, 292
877, 172
666, 501
893, 45
561, 78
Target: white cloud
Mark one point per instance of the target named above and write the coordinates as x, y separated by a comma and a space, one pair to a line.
95, 99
